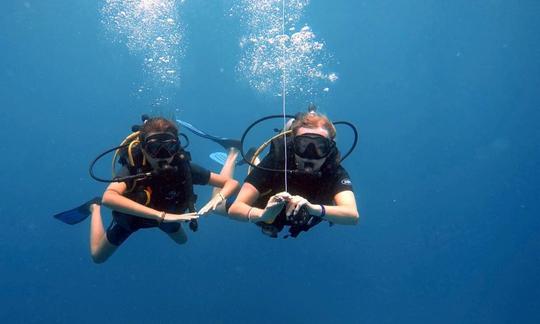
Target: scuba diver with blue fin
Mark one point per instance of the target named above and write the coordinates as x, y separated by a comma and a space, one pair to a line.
318, 187
154, 188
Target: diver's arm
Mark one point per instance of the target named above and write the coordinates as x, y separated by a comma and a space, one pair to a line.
113, 198
242, 205
344, 212
243, 210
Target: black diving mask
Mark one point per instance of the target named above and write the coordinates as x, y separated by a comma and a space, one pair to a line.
161, 145
312, 146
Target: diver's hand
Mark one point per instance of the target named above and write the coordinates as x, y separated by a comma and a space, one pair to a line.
278, 198
295, 203
211, 205
174, 218
274, 206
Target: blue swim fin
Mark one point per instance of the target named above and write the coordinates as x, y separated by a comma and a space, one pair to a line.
219, 157
78, 214
225, 142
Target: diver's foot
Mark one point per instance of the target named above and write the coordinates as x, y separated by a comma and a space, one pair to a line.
78, 214
93, 204
94, 207
232, 154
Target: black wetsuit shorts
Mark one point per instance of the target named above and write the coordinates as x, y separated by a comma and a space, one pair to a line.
123, 225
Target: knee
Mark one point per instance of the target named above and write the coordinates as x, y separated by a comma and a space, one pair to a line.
98, 258
101, 251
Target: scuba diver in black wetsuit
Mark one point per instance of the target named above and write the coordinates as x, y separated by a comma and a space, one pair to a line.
154, 189
319, 188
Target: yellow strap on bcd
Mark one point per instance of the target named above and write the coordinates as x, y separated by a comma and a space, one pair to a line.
133, 140
263, 146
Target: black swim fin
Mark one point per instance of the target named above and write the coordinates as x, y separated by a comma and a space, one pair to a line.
78, 214
224, 142
249, 155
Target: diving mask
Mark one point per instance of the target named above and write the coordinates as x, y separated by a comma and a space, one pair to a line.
312, 146
161, 145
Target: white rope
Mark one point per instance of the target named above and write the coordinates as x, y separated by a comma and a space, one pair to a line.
283, 91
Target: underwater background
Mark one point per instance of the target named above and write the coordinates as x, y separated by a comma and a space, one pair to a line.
446, 97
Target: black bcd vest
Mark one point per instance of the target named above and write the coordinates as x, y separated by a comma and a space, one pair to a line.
169, 189
304, 184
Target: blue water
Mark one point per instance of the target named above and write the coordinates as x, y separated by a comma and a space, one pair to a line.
445, 96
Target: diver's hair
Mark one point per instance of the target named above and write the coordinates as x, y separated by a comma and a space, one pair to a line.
158, 124
313, 120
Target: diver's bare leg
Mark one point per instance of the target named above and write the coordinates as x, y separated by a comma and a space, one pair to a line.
228, 168
227, 171
100, 248
179, 236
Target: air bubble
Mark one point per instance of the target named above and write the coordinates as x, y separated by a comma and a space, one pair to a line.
151, 29
272, 55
